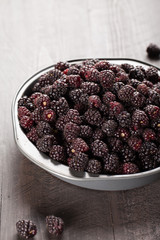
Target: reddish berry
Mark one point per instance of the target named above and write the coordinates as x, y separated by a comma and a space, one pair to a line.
125, 93
74, 81
92, 75
94, 101
106, 79
122, 133
71, 131
79, 145
143, 88
55, 225
32, 135
135, 143
23, 111
149, 135
26, 122
108, 97
49, 115
152, 111
43, 102
130, 168
115, 108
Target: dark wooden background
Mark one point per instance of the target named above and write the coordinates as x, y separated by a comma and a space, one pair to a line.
35, 34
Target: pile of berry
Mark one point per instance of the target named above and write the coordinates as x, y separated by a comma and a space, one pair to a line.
96, 116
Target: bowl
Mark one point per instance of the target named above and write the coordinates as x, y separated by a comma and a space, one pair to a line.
85, 180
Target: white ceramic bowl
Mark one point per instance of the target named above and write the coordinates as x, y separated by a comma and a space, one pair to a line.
97, 182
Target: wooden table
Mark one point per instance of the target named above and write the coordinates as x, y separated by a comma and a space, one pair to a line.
35, 34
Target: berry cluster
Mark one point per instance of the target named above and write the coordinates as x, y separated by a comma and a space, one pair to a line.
27, 229
96, 116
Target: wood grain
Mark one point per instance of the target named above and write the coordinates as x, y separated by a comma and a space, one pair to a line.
35, 34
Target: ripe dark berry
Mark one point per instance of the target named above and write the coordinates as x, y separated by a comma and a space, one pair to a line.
139, 119
92, 75
125, 93
55, 225
155, 124
134, 83
148, 163
43, 128
79, 145
26, 229
43, 102
152, 111
152, 74
115, 108
62, 106
99, 148
93, 117
48, 115
109, 127
124, 119
127, 67
73, 116
130, 168
45, 143
122, 133
143, 89
117, 86
32, 135
102, 65
90, 88
128, 155
26, 102
153, 50
36, 115
23, 111
138, 100
72, 70
60, 123
85, 131
71, 131
136, 73
108, 97
106, 79
57, 153
74, 81
26, 122
98, 134
78, 162
135, 143
149, 135
94, 101
76, 94
122, 77
62, 66
147, 149
111, 163
94, 166
116, 144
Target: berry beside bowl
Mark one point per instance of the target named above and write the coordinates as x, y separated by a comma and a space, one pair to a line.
94, 123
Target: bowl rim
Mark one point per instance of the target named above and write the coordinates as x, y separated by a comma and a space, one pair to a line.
86, 176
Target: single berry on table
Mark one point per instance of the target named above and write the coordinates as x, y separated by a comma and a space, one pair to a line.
26, 229
55, 225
